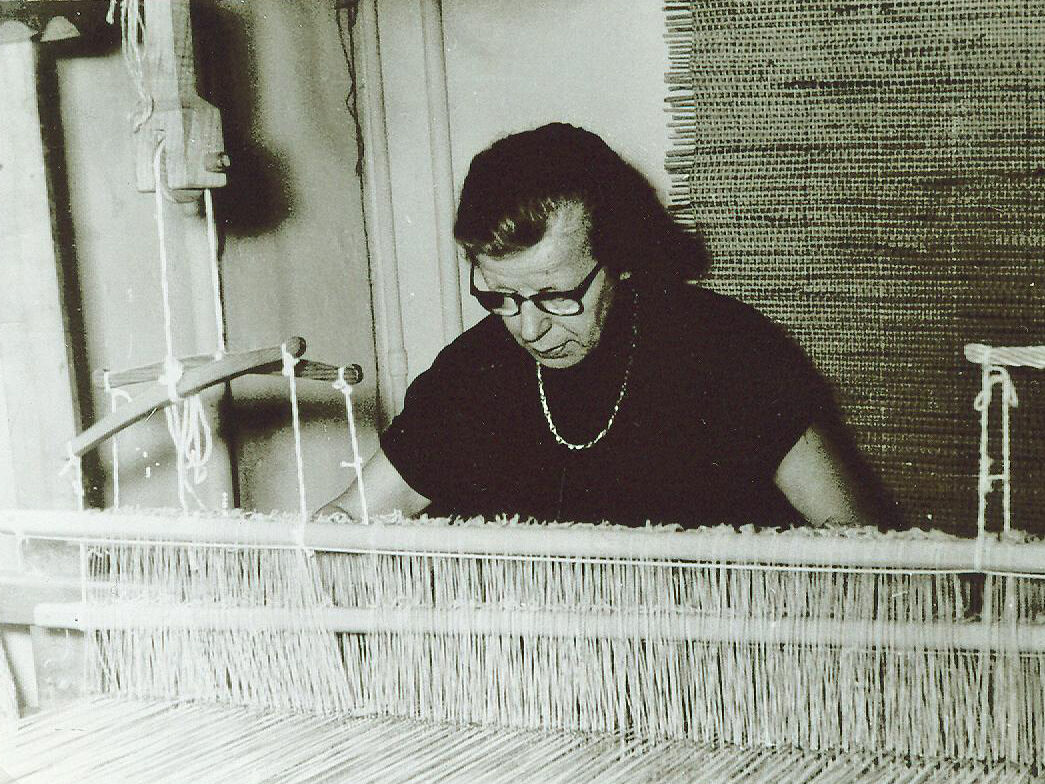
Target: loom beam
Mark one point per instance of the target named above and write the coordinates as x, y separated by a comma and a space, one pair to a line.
306, 368
799, 549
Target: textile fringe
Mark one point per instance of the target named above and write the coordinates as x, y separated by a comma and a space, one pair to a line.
263, 667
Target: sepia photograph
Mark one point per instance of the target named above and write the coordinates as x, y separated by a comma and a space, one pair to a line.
522, 391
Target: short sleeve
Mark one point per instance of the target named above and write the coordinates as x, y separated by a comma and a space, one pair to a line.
777, 391
428, 437
759, 390
442, 440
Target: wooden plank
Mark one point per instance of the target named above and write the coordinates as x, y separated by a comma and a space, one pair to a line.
194, 147
37, 390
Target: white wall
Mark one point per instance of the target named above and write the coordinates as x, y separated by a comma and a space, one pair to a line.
512, 65
294, 258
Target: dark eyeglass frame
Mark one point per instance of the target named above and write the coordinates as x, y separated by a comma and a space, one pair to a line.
494, 300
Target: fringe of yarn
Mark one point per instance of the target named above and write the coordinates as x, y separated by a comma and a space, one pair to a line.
294, 669
924, 699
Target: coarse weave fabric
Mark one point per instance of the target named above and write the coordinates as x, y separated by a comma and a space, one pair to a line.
872, 175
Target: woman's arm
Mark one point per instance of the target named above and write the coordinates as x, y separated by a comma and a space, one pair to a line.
821, 482
386, 491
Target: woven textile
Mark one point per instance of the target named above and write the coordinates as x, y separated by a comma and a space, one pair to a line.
872, 175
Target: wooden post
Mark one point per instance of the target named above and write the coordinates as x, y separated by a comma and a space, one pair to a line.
38, 404
39, 410
442, 166
378, 215
194, 149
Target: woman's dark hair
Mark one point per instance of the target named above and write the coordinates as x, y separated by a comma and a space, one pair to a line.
522, 180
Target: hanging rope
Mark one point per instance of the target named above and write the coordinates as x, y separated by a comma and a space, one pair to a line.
215, 274
186, 418
114, 395
994, 375
289, 361
132, 37
356, 463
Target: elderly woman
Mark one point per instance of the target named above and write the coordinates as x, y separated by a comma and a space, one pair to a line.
605, 384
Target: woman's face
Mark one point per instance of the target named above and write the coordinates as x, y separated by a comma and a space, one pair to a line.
559, 262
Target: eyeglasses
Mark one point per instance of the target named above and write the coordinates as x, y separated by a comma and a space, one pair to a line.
555, 303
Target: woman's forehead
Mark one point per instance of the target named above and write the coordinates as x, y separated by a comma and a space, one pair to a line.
559, 260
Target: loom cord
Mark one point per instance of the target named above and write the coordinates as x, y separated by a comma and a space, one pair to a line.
356, 464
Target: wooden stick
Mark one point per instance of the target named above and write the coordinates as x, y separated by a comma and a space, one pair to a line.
320, 371
21, 593
39, 406
720, 546
316, 371
1013, 356
192, 381
604, 624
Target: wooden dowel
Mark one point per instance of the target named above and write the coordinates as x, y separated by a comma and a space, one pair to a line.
144, 373
320, 371
306, 368
600, 624
1013, 356
721, 545
192, 381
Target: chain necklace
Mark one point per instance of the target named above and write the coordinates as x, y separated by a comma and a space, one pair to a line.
620, 396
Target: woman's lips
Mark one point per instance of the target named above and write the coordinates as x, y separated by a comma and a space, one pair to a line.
555, 352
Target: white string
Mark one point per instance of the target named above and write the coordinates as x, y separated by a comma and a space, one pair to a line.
74, 467
113, 395
186, 418
357, 463
172, 370
289, 361
215, 275
1009, 400
994, 375
157, 170
132, 36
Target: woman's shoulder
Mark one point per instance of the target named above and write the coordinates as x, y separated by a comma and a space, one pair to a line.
481, 349
695, 312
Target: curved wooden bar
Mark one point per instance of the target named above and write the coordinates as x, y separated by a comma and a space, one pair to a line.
193, 380
306, 368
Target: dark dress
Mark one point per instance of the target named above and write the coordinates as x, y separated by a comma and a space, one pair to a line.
717, 395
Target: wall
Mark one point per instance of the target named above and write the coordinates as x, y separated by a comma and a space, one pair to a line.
294, 259
512, 65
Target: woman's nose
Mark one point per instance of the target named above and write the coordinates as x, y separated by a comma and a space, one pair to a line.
533, 322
